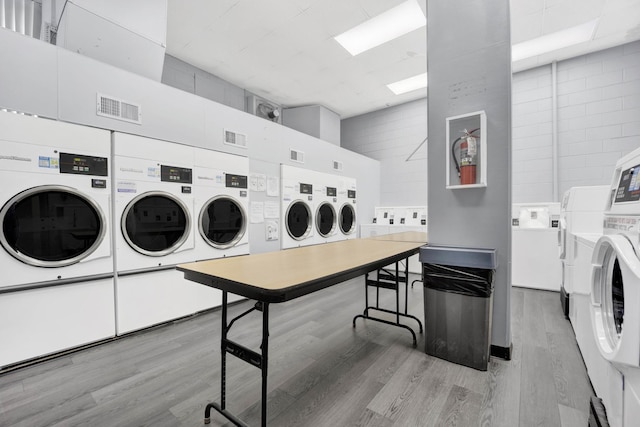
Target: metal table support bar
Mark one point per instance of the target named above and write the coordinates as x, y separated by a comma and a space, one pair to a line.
389, 280
259, 360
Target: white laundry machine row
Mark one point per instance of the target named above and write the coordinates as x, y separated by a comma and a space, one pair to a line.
581, 214
327, 209
155, 222
615, 289
534, 240
56, 290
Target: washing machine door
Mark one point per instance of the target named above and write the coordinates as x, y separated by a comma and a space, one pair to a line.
615, 300
156, 223
298, 220
326, 219
222, 222
51, 226
347, 219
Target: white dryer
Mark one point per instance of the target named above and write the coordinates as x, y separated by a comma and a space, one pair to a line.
221, 193
56, 287
298, 207
615, 283
581, 214
326, 205
347, 216
154, 231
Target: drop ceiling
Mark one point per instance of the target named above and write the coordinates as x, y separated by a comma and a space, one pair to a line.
284, 50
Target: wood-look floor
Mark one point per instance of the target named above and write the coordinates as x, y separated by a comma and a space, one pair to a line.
322, 372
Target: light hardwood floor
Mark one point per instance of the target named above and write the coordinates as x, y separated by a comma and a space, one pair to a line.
322, 372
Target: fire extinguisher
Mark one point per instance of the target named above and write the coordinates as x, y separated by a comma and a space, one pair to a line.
468, 157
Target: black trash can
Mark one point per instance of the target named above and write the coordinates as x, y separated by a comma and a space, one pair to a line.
458, 303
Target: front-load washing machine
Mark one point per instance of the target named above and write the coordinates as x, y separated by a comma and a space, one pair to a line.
581, 213
326, 205
56, 287
347, 216
535, 263
297, 207
615, 283
220, 188
154, 230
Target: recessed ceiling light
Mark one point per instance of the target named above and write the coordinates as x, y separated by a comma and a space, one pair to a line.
393, 23
554, 41
407, 85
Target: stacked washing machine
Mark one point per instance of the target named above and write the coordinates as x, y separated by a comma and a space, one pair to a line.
533, 249
326, 203
155, 221
347, 217
615, 292
221, 194
298, 207
56, 287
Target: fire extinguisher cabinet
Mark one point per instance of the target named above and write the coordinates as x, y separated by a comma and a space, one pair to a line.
466, 138
458, 303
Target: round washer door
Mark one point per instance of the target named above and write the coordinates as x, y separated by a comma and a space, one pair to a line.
615, 298
222, 222
347, 219
51, 226
326, 219
156, 223
298, 220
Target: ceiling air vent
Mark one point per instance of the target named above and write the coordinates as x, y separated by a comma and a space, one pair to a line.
337, 165
234, 138
296, 156
108, 106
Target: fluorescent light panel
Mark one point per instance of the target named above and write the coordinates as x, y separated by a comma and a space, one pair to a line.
393, 23
554, 41
407, 85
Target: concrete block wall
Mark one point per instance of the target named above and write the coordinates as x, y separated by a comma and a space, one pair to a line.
598, 121
390, 136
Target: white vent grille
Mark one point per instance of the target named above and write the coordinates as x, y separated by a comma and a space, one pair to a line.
108, 106
296, 156
337, 165
234, 138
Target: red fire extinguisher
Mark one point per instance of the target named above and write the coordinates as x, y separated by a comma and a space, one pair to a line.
468, 157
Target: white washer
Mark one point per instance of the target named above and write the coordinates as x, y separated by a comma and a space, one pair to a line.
534, 239
615, 292
56, 286
347, 213
326, 207
581, 213
154, 231
220, 188
298, 207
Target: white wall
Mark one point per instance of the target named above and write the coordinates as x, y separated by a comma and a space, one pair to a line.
390, 136
598, 99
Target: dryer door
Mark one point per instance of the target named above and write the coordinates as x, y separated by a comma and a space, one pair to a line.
156, 223
51, 226
326, 219
298, 220
615, 298
347, 219
222, 222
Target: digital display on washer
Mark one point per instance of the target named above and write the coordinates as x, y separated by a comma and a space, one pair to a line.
351, 194
629, 186
331, 191
83, 165
175, 174
235, 181
306, 188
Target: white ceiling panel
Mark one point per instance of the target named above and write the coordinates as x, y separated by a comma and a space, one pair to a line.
284, 50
